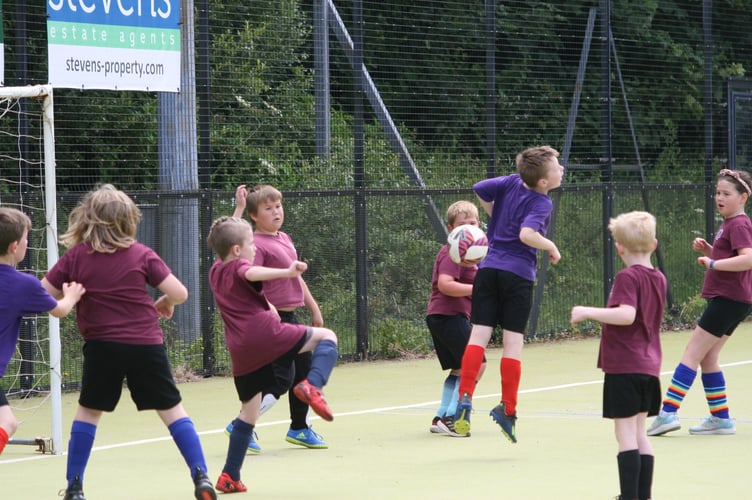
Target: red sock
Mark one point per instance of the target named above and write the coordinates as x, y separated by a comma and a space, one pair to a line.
511, 372
3, 439
471, 361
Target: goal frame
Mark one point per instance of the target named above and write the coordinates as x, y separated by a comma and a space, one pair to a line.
54, 443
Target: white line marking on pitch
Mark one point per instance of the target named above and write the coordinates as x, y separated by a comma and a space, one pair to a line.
344, 414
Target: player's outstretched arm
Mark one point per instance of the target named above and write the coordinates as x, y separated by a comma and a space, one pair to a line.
621, 315
241, 193
67, 298
736, 264
534, 239
263, 273
453, 288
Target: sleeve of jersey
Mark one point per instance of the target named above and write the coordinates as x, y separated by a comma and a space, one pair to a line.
486, 189
156, 269
36, 298
59, 272
539, 214
242, 267
741, 236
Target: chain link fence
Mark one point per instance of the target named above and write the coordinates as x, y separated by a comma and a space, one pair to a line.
372, 117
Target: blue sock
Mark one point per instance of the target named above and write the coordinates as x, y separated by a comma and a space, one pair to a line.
446, 395
323, 361
240, 437
79, 448
186, 438
715, 394
455, 398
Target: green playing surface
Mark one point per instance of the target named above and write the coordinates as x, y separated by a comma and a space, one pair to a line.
380, 445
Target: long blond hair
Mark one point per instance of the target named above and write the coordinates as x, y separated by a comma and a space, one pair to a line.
106, 218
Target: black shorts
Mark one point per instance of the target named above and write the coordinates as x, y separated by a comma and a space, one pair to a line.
145, 368
3, 398
288, 372
284, 373
627, 394
450, 335
722, 316
267, 376
501, 298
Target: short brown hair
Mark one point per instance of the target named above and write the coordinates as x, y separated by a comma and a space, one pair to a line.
532, 163
259, 194
226, 232
13, 223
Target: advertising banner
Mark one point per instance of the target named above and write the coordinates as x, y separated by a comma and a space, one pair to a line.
114, 44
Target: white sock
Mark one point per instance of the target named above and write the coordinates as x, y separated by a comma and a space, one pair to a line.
268, 401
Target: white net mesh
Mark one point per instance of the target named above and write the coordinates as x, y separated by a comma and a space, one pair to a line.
25, 164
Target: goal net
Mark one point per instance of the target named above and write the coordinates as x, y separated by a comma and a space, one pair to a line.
32, 380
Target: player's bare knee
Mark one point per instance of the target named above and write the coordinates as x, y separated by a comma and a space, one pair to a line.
330, 335
320, 334
9, 423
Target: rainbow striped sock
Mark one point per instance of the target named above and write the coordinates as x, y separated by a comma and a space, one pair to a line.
678, 388
715, 393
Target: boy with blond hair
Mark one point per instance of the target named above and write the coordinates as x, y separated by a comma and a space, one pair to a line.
630, 349
448, 316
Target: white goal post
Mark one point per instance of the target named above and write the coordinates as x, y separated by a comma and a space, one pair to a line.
21, 105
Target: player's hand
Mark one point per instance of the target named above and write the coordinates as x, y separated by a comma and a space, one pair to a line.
704, 262
164, 307
554, 256
241, 193
73, 290
578, 314
700, 245
297, 268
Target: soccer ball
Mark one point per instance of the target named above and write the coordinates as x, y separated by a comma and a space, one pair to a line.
468, 245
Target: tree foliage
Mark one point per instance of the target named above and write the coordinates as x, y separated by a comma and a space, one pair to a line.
428, 61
